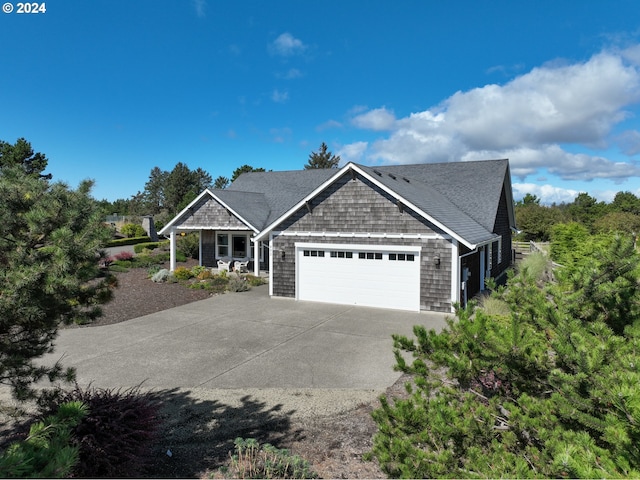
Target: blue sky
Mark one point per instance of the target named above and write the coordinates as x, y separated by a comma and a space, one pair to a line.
110, 89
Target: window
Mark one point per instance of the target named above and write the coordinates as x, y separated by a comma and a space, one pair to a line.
335, 254
500, 251
313, 253
239, 244
233, 244
402, 257
223, 245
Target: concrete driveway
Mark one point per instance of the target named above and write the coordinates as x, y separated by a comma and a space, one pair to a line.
243, 340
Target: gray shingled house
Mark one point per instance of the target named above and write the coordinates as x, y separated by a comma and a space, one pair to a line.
411, 237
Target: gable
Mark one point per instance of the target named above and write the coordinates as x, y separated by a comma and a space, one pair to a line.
355, 204
208, 213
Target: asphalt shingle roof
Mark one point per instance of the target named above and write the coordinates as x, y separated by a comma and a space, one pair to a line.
461, 196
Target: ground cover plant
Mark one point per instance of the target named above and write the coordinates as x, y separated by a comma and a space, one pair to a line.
548, 389
254, 460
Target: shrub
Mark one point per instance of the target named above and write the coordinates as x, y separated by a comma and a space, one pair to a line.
182, 273
115, 436
120, 242
114, 267
253, 460
153, 269
204, 275
181, 257
255, 281
47, 452
124, 256
147, 245
238, 284
161, 275
189, 245
131, 230
196, 270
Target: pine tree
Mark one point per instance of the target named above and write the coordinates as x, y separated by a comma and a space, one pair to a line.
50, 239
549, 390
322, 159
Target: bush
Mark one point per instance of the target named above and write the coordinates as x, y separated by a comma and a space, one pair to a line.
47, 452
161, 275
204, 275
117, 268
253, 460
124, 256
189, 245
131, 230
153, 269
182, 273
238, 284
147, 245
255, 281
197, 269
115, 436
120, 242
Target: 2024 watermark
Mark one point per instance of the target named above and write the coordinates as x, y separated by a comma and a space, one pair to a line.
20, 7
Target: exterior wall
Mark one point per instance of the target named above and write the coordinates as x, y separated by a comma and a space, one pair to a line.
208, 213
359, 207
208, 248
503, 229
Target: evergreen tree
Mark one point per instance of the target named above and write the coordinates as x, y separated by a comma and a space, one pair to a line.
21, 154
221, 183
50, 239
154, 190
244, 169
548, 390
322, 159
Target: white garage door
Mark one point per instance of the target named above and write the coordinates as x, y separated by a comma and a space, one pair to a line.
384, 277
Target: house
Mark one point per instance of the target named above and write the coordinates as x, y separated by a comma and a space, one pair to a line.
411, 237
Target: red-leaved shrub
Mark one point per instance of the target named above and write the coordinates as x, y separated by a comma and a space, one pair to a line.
115, 437
124, 255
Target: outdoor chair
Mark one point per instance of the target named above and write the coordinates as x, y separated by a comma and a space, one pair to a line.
241, 266
224, 264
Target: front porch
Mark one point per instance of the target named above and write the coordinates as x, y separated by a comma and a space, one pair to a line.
225, 246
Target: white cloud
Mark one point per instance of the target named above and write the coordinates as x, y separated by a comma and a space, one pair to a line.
286, 45
528, 120
329, 124
279, 97
352, 152
547, 194
377, 119
201, 7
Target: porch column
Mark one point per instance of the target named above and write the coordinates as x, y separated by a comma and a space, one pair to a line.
172, 250
256, 258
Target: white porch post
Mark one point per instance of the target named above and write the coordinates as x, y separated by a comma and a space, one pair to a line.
172, 250
256, 258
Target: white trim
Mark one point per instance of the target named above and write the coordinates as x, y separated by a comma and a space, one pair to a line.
196, 200
200, 247
408, 236
221, 228
455, 274
172, 250
354, 246
271, 252
230, 234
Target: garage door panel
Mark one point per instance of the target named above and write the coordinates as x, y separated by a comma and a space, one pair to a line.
371, 282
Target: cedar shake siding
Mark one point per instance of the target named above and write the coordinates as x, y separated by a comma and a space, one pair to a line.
208, 213
503, 229
358, 206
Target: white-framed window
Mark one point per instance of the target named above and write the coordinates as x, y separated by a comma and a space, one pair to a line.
233, 244
489, 256
499, 250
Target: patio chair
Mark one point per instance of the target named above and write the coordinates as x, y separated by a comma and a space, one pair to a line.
241, 266
224, 264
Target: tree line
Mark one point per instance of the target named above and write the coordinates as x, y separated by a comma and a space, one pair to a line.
536, 221
167, 192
